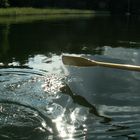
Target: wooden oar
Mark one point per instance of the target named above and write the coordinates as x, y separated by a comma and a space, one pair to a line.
84, 62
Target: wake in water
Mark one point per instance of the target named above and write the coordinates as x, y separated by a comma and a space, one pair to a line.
41, 106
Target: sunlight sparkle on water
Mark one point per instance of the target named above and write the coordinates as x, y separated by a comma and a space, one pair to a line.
53, 84
65, 129
67, 125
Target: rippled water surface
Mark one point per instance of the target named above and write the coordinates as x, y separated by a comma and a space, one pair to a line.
42, 99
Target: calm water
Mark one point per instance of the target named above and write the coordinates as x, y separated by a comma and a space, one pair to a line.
41, 99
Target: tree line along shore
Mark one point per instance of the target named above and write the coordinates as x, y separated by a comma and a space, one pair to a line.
113, 6
26, 11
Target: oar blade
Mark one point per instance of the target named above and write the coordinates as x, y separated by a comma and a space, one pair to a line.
84, 62
77, 61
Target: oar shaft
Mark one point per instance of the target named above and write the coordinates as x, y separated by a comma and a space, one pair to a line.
85, 62
119, 66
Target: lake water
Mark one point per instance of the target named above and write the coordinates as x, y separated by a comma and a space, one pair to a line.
42, 99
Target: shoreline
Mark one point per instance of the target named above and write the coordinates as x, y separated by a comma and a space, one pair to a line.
22, 15
16, 11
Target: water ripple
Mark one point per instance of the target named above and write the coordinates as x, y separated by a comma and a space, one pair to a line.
42, 106
18, 121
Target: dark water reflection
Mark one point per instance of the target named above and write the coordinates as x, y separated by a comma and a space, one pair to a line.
41, 99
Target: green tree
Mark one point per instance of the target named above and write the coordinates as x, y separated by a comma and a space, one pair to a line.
4, 3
